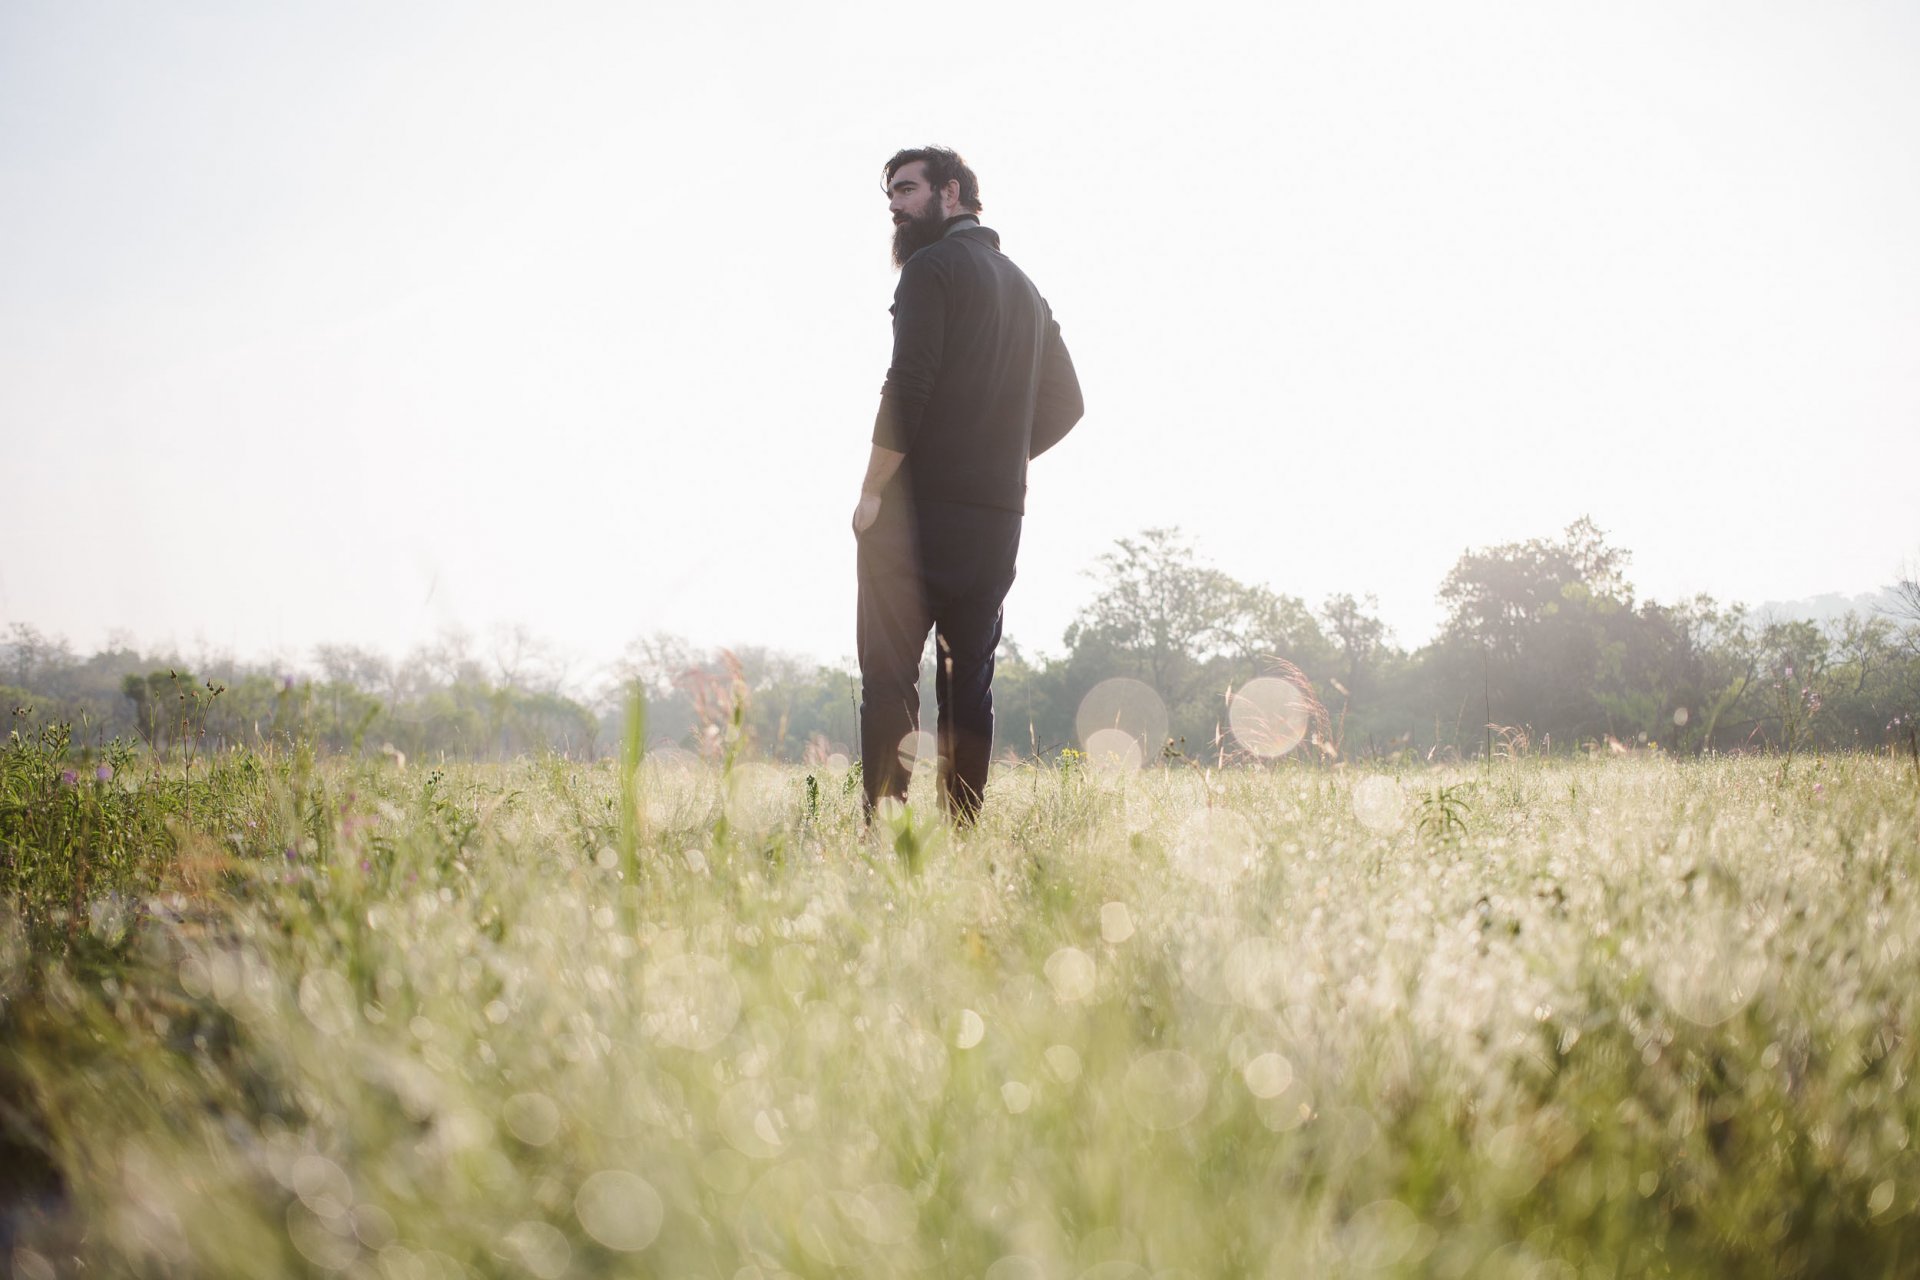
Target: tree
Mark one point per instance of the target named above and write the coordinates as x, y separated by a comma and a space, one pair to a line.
1499, 596
1361, 638
1159, 613
31, 654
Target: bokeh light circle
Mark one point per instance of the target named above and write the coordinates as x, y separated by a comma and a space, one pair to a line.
918, 749
1122, 705
1269, 716
619, 1209
751, 1121
532, 1117
1072, 973
1710, 968
1267, 1075
1380, 804
1113, 751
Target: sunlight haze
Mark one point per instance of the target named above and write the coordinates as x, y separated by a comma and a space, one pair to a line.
358, 322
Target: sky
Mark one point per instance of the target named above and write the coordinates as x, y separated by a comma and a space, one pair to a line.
360, 322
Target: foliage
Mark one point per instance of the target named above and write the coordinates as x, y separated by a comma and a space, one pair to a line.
1641, 1016
1546, 636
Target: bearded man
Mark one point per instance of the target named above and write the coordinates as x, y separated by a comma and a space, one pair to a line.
980, 383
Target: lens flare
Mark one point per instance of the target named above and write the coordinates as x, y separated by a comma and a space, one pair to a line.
1268, 1075
918, 749
1380, 804
532, 1117
620, 1210
1710, 969
1269, 716
751, 1121
1122, 706
1072, 973
1113, 751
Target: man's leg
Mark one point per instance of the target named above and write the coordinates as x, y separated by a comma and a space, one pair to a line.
892, 630
966, 591
965, 687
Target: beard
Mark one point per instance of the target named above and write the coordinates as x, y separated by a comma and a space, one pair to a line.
917, 232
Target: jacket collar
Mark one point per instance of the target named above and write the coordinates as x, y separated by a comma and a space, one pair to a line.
967, 226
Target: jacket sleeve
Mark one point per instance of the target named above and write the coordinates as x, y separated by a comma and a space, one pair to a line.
1058, 405
919, 339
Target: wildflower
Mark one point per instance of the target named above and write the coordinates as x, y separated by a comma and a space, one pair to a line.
68, 777
104, 773
292, 856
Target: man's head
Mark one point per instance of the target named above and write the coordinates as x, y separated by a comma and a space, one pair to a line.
925, 186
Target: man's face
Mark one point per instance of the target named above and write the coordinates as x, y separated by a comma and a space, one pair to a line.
917, 210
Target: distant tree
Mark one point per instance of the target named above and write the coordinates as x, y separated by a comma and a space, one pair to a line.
347, 664
31, 654
1361, 639
1162, 615
1537, 636
524, 660
1499, 596
1158, 614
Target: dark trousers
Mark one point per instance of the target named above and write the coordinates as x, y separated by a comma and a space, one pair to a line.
946, 567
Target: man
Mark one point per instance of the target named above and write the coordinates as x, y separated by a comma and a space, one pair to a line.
979, 384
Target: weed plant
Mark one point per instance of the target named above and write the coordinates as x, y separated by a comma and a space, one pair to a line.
1631, 1017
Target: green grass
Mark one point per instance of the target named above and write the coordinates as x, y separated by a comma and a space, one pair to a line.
1638, 1017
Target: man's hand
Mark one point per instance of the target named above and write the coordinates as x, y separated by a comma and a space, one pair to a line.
865, 513
881, 466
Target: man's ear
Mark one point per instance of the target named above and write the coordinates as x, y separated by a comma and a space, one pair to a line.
951, 192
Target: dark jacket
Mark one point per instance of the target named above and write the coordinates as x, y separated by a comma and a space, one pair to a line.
980, 381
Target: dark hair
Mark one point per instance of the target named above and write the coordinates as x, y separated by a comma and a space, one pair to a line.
944, 165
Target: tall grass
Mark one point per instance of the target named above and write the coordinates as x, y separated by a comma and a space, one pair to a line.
1637, 1017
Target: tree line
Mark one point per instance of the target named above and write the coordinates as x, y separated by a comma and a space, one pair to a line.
1545, 648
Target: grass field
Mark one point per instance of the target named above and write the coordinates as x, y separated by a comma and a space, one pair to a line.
1554, 1018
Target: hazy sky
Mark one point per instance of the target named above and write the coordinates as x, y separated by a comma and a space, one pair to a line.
353, 322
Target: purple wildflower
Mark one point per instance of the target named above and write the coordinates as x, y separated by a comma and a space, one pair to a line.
68, 777
104, 773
